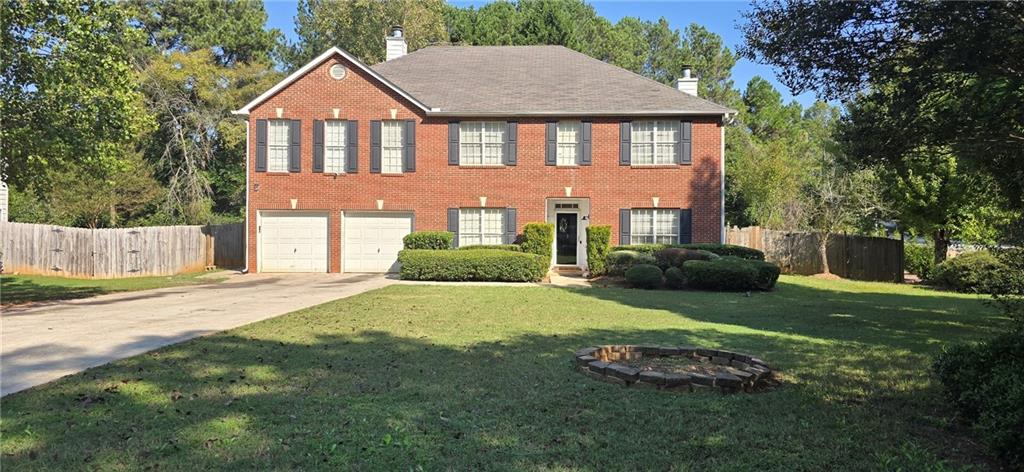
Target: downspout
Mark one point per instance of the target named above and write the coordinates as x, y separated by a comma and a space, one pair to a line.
721, 179
246, 269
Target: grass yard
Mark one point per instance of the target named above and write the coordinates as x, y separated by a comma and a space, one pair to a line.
16, 289
477, 378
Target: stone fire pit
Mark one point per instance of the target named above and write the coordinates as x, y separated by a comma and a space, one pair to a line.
675, 368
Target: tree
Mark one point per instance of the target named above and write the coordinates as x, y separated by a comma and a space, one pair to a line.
67, 94
361, 25
949, 74
98, 197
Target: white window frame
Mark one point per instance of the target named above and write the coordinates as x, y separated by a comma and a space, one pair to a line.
663, 152
564, 131
389, 149
638, 234
335, 146
277, 150
491, 151
481, 235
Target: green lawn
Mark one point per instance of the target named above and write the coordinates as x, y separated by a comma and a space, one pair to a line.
471, 378
16, 289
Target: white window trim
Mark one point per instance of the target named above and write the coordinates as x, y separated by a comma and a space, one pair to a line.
559, 143
654, 234
481, 128
479, 213
342, 147
655, 144
273, 146
384, 147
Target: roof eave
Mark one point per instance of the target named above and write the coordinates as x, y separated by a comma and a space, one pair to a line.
448, 113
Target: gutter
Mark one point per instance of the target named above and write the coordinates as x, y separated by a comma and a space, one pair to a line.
245, 269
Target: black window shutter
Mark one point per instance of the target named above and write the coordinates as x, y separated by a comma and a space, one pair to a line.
453, 143
261, 145
684, 150
453, 225
318, 145
352, 153
685, 226
294, 151
510, 225
511, 142
409, 157
585, 132
624, 214
375, 146
551, 148
625, 141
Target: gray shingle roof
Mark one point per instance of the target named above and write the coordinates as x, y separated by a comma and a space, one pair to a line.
532, 80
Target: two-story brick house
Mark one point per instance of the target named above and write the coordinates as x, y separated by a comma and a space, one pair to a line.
346, 159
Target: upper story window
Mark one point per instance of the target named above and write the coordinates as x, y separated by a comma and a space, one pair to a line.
481, 226
569, 147
654, 142
481, 143
392, 144
334, 146
277, 145
654, 226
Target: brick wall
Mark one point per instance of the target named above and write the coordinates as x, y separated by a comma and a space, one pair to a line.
436, 186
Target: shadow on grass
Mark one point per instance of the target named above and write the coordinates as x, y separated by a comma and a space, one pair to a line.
920, 322
329, 396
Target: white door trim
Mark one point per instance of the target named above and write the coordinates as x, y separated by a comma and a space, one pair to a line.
582, 221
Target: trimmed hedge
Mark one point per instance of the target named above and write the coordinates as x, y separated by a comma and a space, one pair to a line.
646, 276
919, 259
538, 238
618, 262
767, 273
599, 239
719, 249
428, 240
985, 382
503, 247
481, 265
967, 272
729, 274
674, 278
676, 256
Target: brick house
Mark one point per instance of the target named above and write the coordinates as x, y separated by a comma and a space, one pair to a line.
345, 159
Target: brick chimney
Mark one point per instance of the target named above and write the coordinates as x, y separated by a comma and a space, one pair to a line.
395, 42
687, 83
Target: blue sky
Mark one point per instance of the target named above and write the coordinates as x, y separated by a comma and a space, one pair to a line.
720, 17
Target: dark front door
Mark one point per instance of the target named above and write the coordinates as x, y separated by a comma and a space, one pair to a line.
565, 238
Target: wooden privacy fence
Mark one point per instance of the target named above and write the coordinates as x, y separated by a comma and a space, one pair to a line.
120, 252
851, 257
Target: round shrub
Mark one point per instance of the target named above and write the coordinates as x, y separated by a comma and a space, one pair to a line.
767, 273
428, 240
967, 272
919, 260
726, 273
645, 276
618, 262
676, 256
674, 278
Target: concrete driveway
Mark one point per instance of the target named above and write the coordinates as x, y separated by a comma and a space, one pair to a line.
43, 343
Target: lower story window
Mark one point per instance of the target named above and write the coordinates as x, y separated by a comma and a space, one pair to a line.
481, 226
654, 226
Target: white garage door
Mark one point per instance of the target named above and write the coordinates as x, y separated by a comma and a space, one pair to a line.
293, 242
372, 241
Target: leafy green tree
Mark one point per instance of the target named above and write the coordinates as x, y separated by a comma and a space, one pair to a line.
67, 94
948, 74
361, 25
98, 197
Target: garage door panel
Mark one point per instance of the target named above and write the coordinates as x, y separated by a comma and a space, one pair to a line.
293, 242
371, 241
